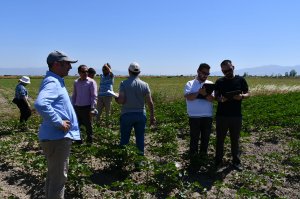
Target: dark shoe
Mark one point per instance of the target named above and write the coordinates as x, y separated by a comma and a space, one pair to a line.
237, 167
138, 165
79, 142
219, 166
24, 129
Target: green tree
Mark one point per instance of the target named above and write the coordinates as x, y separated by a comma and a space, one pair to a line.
293, 73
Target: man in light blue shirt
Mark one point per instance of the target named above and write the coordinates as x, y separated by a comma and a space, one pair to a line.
59, 126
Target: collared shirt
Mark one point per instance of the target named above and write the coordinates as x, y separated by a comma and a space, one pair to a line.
197, 107
85, 92
106, 83
21, 91
135, 91
54, 105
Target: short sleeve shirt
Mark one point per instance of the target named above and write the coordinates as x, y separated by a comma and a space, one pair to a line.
135, 91
21, 91
231, 107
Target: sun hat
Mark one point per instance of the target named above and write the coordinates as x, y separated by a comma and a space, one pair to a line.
134, 67
59, 56
25, 80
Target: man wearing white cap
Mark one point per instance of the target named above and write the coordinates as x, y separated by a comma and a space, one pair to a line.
132, 95
59, 126
21, 100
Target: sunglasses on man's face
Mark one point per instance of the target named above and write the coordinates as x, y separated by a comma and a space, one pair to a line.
227, 71
84, 71
204, 73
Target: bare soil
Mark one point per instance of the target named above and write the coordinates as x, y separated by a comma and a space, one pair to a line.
258, 158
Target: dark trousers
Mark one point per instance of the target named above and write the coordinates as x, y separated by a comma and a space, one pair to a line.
200, 128
25, 111
83, 116
233, 125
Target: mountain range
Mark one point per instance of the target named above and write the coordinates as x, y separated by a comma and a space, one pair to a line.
269, 70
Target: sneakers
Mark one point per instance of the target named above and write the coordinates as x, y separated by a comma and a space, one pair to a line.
237, 167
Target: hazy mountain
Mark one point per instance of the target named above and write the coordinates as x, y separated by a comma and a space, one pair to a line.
258, 71
42, 71
263, 70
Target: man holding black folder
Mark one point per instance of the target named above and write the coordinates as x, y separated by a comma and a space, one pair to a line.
200, 109
230, 90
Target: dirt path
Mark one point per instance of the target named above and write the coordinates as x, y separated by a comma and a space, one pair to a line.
10, 188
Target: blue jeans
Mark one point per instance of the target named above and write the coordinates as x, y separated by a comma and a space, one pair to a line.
137, 120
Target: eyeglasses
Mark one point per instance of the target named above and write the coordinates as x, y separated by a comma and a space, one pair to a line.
227, 71
84, 71
204, 73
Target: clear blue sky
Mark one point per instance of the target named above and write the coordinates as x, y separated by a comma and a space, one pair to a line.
164, 36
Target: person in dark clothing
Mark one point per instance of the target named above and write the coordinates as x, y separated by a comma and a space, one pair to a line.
230, 91
21, 100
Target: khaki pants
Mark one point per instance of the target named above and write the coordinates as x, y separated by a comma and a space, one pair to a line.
104, 102
57, 154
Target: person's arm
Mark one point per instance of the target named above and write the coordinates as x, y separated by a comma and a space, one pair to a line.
121, 99
93, 94
194, 95
150, 104
74, 94
25, 98
43, 104
245, 91
242, 96
188, 94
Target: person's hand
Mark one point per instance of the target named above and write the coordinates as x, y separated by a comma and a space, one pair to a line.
209, 98
107, 68
66, 125
94, 111
222, 99
202, 91
238, 97
152, 120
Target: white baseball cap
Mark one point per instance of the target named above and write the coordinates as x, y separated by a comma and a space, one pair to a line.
134, 67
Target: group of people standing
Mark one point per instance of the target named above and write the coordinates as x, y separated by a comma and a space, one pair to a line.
229, 91
63, 116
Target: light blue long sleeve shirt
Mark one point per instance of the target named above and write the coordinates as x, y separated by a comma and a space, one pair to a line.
54, 105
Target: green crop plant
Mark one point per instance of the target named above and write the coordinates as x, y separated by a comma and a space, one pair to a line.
267, 118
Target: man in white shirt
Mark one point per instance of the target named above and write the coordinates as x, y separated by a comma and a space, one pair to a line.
200, 110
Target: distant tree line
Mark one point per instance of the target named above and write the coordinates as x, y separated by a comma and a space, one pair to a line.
292, 73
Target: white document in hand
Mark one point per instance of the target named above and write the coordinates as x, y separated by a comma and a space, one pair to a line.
113, 93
